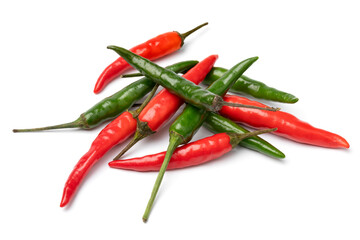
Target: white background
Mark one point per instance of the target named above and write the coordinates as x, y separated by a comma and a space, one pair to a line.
51, 55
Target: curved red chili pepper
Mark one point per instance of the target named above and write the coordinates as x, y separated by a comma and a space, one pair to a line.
123, 127
288, 125
152, 49
191, 154
114, 133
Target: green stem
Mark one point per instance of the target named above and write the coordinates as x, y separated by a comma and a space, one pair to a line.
236, 138
131, 75
142, 129
184, 35
175, 140
74, 124
147, 100
136, 139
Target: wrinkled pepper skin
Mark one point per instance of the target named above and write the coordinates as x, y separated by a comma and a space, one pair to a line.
191, 154
251, 87
220, 124
288, 125
152, 49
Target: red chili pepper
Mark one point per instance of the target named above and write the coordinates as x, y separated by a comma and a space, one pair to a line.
114, 133
123, 127
152, 49
288, 125
191, 154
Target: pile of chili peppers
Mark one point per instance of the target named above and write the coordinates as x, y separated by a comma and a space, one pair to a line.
212, 107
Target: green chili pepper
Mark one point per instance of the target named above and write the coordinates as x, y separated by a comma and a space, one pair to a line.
220, 124
245, 85
190, 120
252, 87
112, 106
187, 90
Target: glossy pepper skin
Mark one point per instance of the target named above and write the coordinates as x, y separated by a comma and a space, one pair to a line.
251, 87
152, 49
220, 124
190, 120
288, 125
191, 154
114, 133
188, 91
112, 106
164, 105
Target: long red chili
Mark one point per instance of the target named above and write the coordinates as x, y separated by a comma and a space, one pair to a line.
191, 154
119, 130
288, 125
114, 133
152, 49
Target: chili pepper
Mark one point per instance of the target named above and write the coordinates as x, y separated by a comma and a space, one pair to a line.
252, 87
219, 124
190, 120
191, 154
244, 85
288, 125
188, 91
114, 133
112, 106
152, 49
164, 105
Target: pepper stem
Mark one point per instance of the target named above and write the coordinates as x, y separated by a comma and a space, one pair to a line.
131, 75
142, 128
147, 100
74, 124
142, 131
236, 138
175, 140
184, 35
130, 144
249, 106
